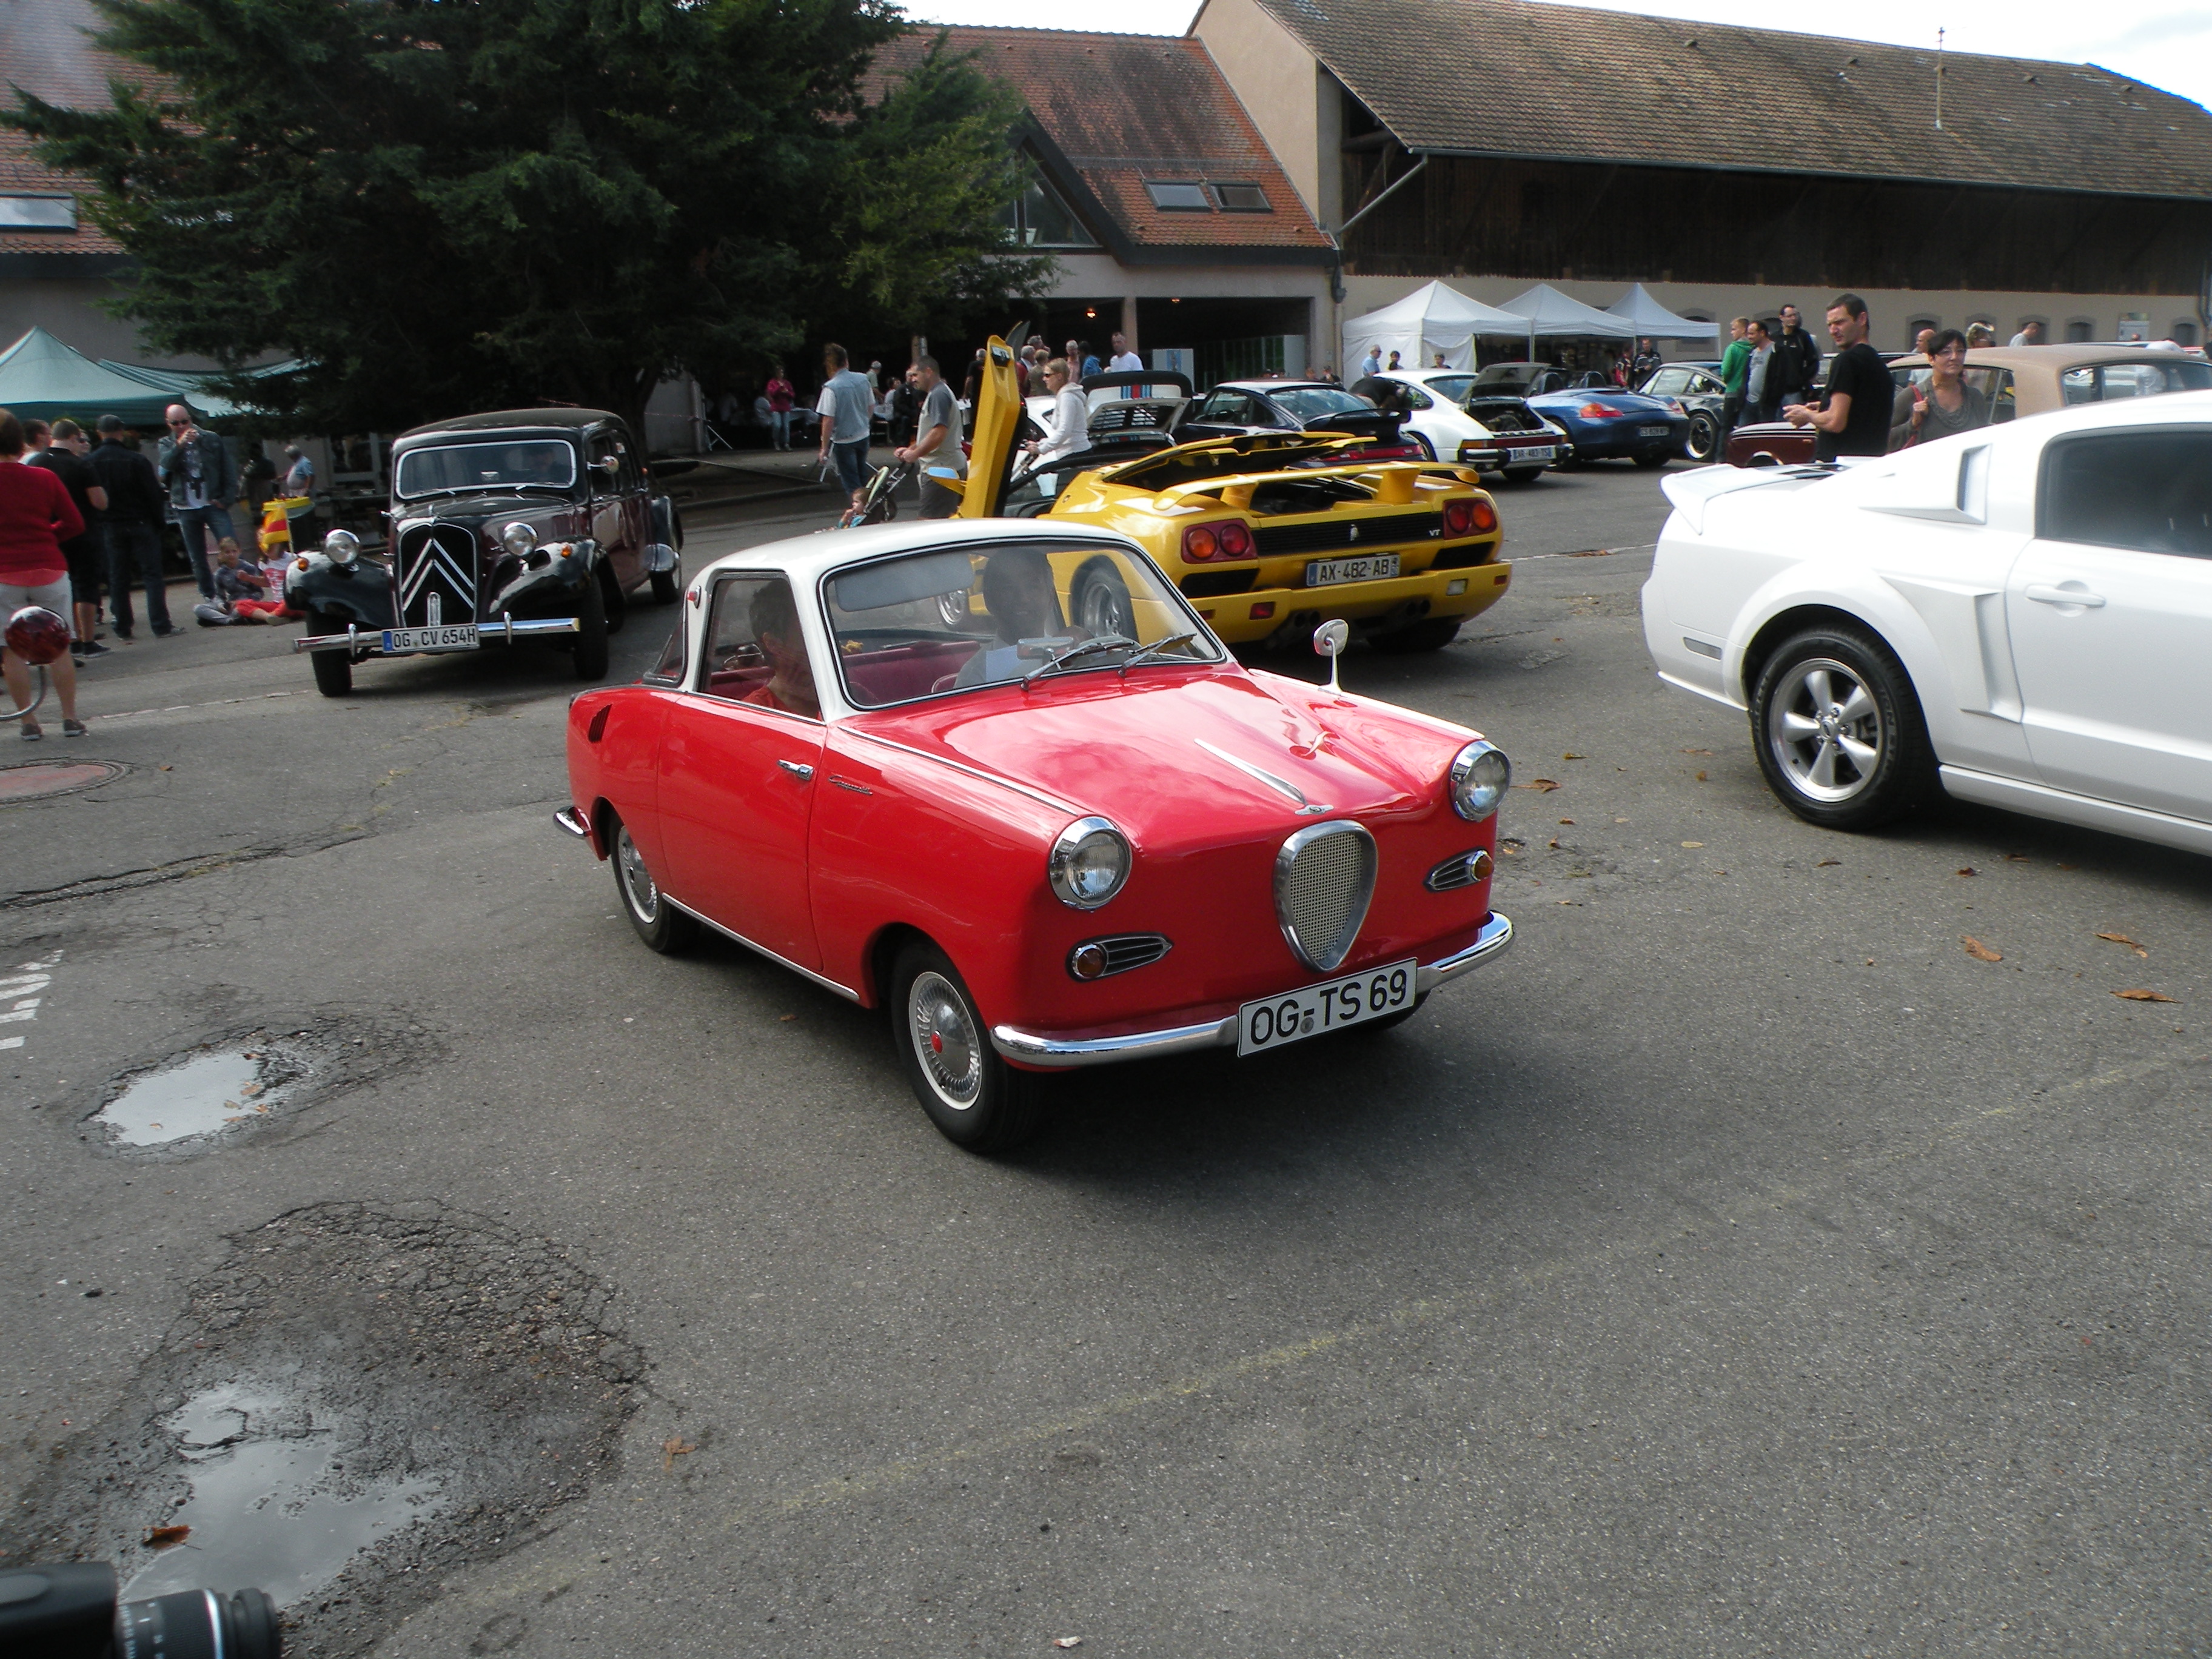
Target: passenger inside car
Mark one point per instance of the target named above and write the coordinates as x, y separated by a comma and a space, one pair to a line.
790, 686
1018, 592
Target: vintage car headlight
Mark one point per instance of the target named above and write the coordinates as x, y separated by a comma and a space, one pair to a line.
1088, 863
1480, 774
518, 538
342, 547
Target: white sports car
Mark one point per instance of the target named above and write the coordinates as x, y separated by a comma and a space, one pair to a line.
1520, 443
2020, 616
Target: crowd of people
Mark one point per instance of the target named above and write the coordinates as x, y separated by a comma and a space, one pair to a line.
81, 522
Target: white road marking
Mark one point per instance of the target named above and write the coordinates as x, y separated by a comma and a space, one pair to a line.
27, 976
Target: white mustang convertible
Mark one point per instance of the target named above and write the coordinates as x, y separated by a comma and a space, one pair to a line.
2020, 616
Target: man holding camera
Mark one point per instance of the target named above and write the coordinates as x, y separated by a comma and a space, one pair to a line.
195, 468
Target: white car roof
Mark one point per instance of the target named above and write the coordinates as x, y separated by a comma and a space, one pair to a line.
805, 558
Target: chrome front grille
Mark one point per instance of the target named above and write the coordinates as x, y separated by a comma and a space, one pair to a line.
1324, 880
437, 571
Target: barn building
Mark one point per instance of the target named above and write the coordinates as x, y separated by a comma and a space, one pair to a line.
1500, 142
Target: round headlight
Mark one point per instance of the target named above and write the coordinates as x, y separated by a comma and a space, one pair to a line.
518, 538
1088, 863
342, 547
1480, 774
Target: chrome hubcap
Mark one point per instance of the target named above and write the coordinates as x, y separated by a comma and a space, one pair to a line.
1826, 730
945, 1040
637, 886
1104, 611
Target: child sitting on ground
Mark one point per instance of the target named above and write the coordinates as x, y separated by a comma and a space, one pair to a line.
235, 588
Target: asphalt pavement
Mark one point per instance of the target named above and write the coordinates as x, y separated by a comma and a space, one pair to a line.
1796, 1245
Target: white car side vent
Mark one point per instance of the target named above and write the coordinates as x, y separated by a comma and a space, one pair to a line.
1974, 484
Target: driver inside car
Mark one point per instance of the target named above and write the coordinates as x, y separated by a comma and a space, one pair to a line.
775, 620
1018, 592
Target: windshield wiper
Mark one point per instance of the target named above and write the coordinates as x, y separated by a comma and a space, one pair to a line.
1104, 642
1146, 655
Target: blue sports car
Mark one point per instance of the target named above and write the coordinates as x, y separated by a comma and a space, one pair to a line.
1603, 422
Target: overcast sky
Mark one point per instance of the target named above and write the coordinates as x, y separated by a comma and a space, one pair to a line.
2162, 45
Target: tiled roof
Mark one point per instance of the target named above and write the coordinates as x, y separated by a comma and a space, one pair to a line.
43, 49
1120, 109
1534, 79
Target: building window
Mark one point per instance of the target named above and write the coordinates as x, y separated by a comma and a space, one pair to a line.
1179, 197
1038, 218
2080, 330
37, 213
2185, 334
1242, 198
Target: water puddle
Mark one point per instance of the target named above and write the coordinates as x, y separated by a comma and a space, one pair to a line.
206, 1094
271, 1504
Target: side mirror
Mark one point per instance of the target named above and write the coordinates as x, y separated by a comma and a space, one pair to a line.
1329, 640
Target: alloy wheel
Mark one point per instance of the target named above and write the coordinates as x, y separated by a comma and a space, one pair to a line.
1825, 730
945, 1040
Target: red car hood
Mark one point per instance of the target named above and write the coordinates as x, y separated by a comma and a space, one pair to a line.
1176, 758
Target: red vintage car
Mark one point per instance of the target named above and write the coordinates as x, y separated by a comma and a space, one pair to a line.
887, 760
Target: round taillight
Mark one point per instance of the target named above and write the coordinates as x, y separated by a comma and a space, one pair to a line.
1199, 543
1234, 540
1459, 517
1485, 516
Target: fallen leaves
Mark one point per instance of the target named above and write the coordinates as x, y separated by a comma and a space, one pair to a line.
2122, 938
673, 1448
1693, 843
1979, 951
162, 1538
1694, 751
1553, 843
1546, 785
2018, 857
1701, 777
1566, 820
1571, 755
1968, 871
1067, 1641
2142, 996
1828, 864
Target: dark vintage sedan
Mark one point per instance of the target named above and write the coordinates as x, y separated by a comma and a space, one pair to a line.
1603, 422
1236, 407
522, 525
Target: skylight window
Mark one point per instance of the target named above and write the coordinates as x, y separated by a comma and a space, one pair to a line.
37, 213
1178, 198
1241, 198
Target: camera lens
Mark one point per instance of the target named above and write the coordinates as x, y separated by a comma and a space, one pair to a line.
199, 1625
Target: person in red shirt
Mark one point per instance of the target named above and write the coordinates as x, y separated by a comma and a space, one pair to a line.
36, 517
781, 398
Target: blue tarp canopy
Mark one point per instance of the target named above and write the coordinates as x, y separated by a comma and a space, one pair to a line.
191, 385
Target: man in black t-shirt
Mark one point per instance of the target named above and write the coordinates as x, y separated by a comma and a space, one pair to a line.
1853, 419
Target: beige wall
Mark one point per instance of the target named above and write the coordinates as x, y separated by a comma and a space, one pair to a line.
1282, 87
69, 308
1101, 277
1892, 310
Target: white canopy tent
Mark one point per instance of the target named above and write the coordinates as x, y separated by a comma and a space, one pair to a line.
1429, 319
1653, 320
1546, 313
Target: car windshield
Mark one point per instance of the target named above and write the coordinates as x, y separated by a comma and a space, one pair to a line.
502, 465
919, 625
1452, 388
1307, 401
1508, 373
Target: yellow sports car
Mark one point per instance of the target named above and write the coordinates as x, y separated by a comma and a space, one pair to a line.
1267, 534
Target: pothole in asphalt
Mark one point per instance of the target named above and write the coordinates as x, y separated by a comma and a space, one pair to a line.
203, 1094
42, 780
209, 1095
271, 1504
355, 1402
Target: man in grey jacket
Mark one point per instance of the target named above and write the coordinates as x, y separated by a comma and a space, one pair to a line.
196, 469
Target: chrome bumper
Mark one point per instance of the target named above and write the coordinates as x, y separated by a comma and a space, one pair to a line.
370, 642
573, 821
1031, 1048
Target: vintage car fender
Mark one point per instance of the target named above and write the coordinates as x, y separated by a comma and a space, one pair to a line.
667, 525
553, 584
360, 592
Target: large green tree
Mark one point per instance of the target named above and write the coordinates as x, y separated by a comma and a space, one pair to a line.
439, 205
